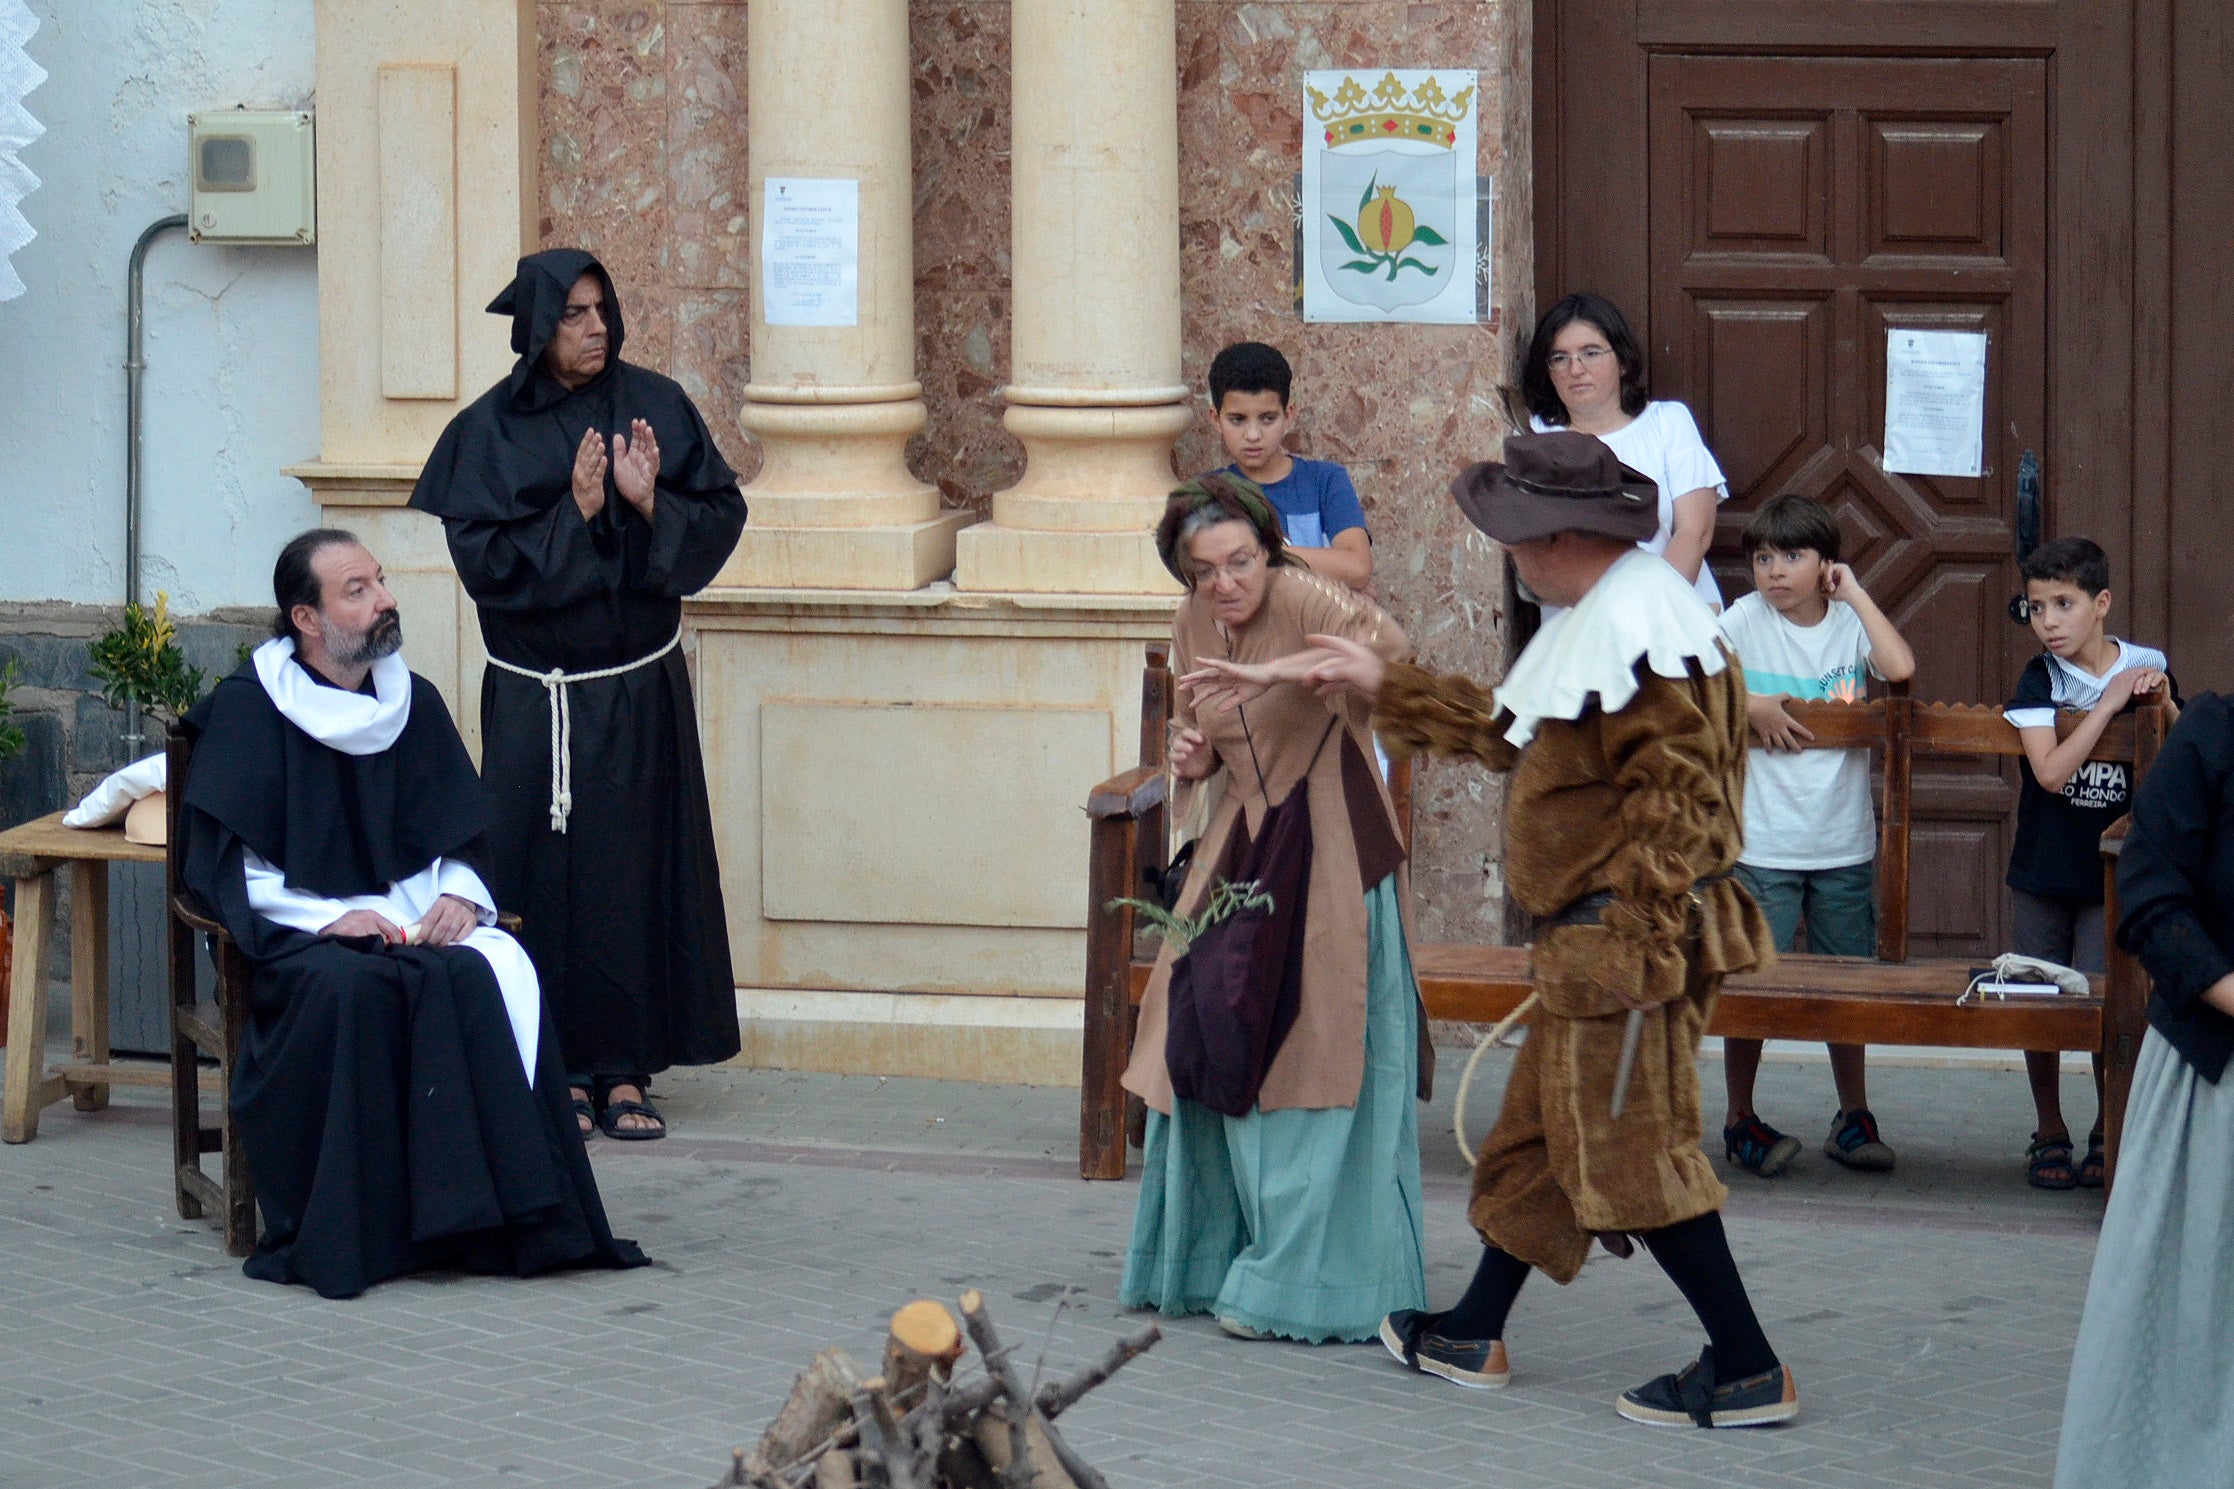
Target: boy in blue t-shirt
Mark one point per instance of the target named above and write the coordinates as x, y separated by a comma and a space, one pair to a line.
1319, 512
2066, 803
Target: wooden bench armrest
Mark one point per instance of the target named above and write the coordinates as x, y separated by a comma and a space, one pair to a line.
2114, 836
1134, 794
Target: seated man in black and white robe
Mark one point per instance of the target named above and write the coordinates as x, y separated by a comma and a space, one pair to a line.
399, 1094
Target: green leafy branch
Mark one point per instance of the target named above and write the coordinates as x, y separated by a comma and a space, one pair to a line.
12, 738
139, 662
1372, 260
1226, 900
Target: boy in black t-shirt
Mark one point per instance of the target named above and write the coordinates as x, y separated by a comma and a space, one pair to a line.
2066, 803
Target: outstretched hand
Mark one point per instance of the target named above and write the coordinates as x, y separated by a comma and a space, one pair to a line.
589, 474
636, 466
1224, 686
1343, 663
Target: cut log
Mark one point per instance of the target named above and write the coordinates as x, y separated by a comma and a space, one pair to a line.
821, 1401
1047, 1461
835, 1471
924, 1341
1047, 1468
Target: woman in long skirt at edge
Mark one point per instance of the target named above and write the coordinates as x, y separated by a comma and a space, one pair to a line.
2151, 1400
1301, 1218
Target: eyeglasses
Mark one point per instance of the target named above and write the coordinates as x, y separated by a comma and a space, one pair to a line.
1588, 357
1236, 568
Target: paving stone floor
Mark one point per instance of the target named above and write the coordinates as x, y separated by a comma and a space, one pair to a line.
1929, 1314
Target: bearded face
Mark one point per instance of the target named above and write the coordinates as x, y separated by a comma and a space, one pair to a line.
353, 647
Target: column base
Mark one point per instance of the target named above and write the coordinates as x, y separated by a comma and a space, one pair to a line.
906, 556
991, 556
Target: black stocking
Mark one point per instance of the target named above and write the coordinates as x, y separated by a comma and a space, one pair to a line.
1489, 1297
1696, 1256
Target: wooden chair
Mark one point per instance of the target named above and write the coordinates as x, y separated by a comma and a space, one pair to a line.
1891, 1000
204, 1031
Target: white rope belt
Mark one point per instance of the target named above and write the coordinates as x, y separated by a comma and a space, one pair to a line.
555, 683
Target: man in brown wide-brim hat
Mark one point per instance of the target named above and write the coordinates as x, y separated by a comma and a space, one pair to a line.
1623, 725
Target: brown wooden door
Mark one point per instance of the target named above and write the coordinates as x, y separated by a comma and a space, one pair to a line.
1814, 204
1767, 190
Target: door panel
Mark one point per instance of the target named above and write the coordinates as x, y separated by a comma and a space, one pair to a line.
1801, 208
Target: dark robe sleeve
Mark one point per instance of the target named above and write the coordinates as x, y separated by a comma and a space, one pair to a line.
540, 562
697, 517
2164, 868
553, 557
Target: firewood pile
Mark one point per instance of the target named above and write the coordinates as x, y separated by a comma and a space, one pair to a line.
918, 1425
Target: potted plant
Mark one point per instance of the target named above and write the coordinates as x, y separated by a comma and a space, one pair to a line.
139, 664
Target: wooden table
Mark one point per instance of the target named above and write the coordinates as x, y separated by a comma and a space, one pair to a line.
34, 853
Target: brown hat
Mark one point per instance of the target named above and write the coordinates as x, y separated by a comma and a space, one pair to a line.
1559, 482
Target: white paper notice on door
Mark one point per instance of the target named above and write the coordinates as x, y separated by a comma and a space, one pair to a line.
810, 252
1935, 402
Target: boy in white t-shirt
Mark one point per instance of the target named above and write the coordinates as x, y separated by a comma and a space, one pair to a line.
1809, 631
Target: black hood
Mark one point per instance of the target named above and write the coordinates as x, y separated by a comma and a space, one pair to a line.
534, 299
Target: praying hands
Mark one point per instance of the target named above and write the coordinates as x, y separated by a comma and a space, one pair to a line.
634, 463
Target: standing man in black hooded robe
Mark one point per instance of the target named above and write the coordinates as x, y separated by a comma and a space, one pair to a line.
583, 497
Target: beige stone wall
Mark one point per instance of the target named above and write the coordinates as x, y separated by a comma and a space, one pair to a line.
644, 162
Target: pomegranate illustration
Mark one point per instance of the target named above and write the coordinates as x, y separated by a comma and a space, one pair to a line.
1384, 223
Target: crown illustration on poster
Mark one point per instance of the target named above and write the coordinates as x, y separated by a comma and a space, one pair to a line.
1391, 112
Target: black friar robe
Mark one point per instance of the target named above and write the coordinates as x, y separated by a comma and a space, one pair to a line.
622, 903
379, 1096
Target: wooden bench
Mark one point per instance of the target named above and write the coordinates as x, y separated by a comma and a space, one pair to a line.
1891, 1000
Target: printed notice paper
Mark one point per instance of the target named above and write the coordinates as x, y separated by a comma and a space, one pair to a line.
810, 252
1935, 402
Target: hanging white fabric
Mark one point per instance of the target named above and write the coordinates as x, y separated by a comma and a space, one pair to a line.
18, 76
1639, 610
338, 719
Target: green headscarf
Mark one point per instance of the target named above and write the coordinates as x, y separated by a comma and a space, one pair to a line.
1237, 498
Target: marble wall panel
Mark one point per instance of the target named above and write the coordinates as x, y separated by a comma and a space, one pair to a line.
1404, 407
961, 138
645, 163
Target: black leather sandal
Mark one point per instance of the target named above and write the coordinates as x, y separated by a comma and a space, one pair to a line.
608, 1121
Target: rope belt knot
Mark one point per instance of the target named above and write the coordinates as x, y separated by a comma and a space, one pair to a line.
556, 682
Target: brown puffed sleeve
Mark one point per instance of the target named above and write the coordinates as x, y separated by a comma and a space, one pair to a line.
1661, 753
1442, 713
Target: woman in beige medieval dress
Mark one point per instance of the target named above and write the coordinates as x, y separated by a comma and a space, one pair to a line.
1300, 1218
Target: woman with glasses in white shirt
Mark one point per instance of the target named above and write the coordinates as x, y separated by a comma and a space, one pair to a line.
1584, 372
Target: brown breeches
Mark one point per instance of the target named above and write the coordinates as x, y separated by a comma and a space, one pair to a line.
1557, 1168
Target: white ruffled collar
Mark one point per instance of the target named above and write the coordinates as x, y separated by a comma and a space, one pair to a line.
1641, 608
349, 722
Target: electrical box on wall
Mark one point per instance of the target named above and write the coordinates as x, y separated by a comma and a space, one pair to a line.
254, 177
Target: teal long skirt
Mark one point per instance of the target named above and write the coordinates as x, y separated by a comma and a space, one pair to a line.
1300, 1223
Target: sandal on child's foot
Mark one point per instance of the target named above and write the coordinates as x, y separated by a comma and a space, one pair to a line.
2048, 1163
2091, 1166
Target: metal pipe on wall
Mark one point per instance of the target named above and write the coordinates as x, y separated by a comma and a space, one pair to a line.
135, 363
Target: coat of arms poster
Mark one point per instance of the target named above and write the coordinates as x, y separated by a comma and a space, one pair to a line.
1391, 225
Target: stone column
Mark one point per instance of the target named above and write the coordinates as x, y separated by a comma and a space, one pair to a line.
1096, 397
427, 136
834, 506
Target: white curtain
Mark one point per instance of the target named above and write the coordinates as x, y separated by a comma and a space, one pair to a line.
18, 76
